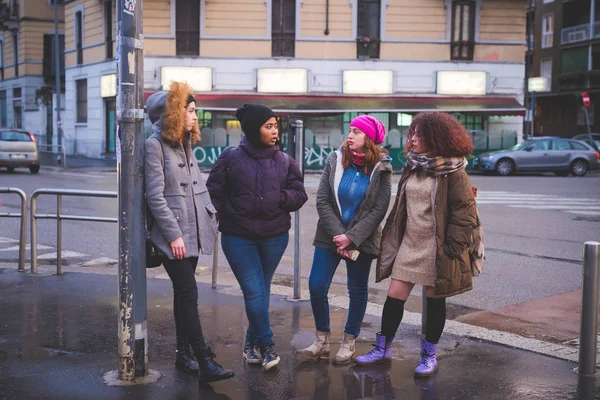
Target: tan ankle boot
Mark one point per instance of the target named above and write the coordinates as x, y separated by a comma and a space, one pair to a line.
319, 349
346, 351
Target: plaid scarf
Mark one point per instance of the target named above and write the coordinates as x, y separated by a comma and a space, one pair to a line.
435, 166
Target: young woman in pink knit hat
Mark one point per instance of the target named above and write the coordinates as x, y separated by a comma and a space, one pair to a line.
352, 200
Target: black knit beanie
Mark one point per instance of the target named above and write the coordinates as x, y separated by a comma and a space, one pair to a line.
252, 117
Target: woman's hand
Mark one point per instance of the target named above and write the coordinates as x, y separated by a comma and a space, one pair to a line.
178, 248
342, 241
343, 253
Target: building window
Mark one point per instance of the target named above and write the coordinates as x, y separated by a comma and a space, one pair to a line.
49, 60
546, 71
108, 29
3, 109
2, 60
463, 30
369, 29
79, 36
548, 1
16, 52
187, 28
82, 100
283, 30
547, 30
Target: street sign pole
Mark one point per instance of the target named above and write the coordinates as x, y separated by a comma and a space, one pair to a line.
57, 71
532, 127
585, 99
133, 338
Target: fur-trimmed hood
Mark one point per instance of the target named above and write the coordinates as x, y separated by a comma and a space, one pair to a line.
166, 111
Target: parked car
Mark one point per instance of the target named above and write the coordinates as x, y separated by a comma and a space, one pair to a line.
594, 141
543, 154
18, 149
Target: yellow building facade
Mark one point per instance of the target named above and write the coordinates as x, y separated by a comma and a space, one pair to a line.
27, 64
307, 59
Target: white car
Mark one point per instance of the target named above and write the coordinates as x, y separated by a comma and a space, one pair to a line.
18, 149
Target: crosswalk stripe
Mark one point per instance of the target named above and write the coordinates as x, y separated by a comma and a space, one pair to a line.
547, 207
583, 212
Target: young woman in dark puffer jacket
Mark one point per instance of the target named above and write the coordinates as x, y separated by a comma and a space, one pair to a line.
254, 188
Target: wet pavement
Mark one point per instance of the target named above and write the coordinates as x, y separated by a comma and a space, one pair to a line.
58, 337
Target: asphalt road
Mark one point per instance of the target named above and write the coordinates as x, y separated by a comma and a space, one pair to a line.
535, 227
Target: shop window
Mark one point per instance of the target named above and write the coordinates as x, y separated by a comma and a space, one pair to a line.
463, 30
369, 29
283, 30
471, 122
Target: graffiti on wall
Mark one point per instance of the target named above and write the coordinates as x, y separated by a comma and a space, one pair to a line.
314, 156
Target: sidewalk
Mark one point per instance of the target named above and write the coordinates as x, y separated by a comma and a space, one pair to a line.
58, 337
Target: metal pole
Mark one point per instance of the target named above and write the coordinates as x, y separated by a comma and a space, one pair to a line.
424, 311
299, 144
57, 73
133, 343
34, 267
587, 121
588, 334
58, 235
215, 268
532, 129
23, 233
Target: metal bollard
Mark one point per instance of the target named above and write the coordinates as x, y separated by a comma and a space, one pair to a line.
299, 156
215, 267
588, 335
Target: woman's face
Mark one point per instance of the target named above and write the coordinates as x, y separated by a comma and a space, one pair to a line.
269, 132
356, 139
417, 143
191, 119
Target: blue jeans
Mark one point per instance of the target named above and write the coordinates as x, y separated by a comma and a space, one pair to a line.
325, 262
253, 262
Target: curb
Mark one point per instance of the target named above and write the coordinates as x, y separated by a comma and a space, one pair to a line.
562, 352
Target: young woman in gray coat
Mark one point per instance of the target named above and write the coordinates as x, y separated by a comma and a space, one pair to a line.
182, 219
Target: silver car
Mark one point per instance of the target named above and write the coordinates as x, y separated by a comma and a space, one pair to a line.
542, 154
18, 149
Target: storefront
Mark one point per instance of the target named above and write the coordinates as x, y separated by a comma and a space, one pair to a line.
493, 122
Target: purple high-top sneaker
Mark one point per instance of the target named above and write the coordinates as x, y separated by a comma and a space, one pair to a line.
380, 354
428, 365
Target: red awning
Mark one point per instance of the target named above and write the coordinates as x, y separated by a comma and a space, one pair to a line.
286, 104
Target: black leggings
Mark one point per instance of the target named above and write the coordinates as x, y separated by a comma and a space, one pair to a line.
393, 310
185, 302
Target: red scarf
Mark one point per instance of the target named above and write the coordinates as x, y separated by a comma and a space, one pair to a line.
358, 158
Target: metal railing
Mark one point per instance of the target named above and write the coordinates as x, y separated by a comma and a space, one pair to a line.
59, 217
48, 148
23, 216
574, 34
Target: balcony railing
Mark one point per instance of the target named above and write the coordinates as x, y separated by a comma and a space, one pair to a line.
574, 34
9, 15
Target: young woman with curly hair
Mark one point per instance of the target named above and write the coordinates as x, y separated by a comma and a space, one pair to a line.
352, 200
427, 237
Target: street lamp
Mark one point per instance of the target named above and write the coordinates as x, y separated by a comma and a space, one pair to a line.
57, 3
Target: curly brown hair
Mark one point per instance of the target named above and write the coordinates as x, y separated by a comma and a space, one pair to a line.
442, 134
373, 155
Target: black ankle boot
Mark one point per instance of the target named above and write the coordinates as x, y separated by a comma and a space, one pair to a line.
210, 370
184, 359
270, 357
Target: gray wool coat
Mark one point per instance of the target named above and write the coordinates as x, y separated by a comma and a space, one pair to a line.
178, 199
365, 230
